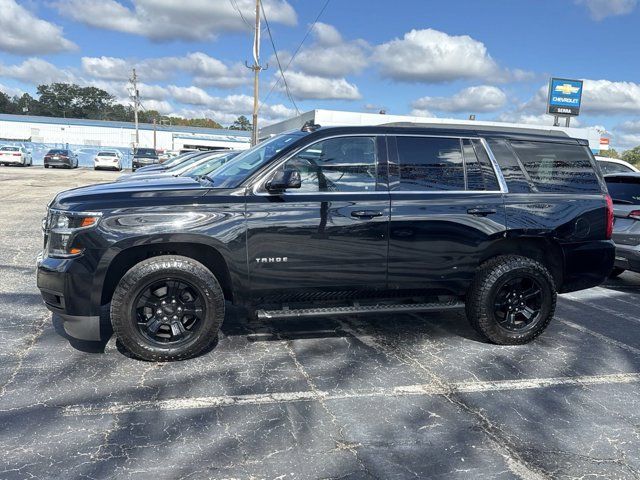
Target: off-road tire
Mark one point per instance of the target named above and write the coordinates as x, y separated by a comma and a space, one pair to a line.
156, 268
481, 297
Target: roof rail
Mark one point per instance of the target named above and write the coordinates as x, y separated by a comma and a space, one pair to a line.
480, 127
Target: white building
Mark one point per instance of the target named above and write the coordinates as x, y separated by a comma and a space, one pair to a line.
331, 118
99, 133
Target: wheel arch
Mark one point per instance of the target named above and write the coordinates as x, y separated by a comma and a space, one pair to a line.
121, 257
544, 250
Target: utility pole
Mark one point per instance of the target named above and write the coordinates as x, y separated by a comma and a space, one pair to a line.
135, 96
154, 132
257, 68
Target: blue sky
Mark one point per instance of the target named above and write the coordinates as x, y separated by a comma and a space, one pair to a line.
447, 59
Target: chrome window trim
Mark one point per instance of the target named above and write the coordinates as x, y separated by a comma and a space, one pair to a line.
259, 184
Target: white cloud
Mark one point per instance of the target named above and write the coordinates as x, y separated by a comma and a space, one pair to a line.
305, 87
433, 56
206, 70
164, 20
483, 98
601, 9
11, 91
331, 56
607, 97
530, 119
36, 71
24, 33
421, 112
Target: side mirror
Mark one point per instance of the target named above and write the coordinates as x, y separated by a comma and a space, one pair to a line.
284, 179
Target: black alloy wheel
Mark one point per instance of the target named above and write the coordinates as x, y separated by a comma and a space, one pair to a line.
518, 303
169, 311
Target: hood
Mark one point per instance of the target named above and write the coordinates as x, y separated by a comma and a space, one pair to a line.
147, 176
120, 194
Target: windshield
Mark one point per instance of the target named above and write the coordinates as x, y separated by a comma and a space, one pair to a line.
207, 167
179, 167
145, 152
233, 173
172, 162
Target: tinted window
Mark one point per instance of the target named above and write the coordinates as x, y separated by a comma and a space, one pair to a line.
612, 167
510, 167
107, 154
480, 173
345, 164
58, 152
10, 149
557, 167
624, 190
428, 163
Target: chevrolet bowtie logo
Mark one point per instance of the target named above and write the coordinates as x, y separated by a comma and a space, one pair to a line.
567, 89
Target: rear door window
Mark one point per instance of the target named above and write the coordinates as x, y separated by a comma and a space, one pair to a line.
480, 173
558, 167
429, 164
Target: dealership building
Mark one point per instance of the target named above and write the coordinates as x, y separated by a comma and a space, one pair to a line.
99, 133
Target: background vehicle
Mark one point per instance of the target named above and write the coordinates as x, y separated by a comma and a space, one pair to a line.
10, 155
203, 169
174, 171
108, 159
168, 155
60, 157
143, 157
624, 189
334, 221
168, 164
614, 165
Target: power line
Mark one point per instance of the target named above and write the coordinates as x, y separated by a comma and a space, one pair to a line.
234, 4
306, 35
275, 51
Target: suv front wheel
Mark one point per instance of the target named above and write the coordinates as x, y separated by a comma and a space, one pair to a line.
167, 308
512, 300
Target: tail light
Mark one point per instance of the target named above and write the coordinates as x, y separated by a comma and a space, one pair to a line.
609, 233
17, 154
635, 215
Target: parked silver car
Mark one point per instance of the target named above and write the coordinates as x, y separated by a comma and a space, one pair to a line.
624, 189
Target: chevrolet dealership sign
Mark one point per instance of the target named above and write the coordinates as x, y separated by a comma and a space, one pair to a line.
565, 97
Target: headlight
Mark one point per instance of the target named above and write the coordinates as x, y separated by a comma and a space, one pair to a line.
61, 229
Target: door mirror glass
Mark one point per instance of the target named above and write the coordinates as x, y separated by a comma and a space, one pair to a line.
284, 179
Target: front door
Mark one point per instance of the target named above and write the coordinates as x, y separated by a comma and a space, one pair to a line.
447, 208
329, 234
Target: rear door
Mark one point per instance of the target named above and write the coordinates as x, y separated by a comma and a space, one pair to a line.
446, 209
330, 234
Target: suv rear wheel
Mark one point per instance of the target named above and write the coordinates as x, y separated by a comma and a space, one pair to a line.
167, 308
512, 300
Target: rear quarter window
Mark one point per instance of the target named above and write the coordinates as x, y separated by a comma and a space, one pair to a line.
558, 167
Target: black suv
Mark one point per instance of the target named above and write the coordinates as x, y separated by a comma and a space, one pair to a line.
143, 157
329, 221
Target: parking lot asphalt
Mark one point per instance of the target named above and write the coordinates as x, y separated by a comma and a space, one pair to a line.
385, 397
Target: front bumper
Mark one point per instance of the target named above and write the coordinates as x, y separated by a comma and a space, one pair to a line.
628, 257
65, 286
143, 162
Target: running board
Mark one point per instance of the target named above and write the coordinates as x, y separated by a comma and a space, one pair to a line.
357, 309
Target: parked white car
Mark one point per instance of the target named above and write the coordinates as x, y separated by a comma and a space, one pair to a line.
108, 159
614, 165
10, 155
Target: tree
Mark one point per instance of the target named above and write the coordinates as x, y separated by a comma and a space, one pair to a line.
611, 153
70, 100
26, 105
632, 156
241, 123
6, 104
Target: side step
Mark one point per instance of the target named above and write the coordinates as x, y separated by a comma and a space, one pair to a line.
357, 309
